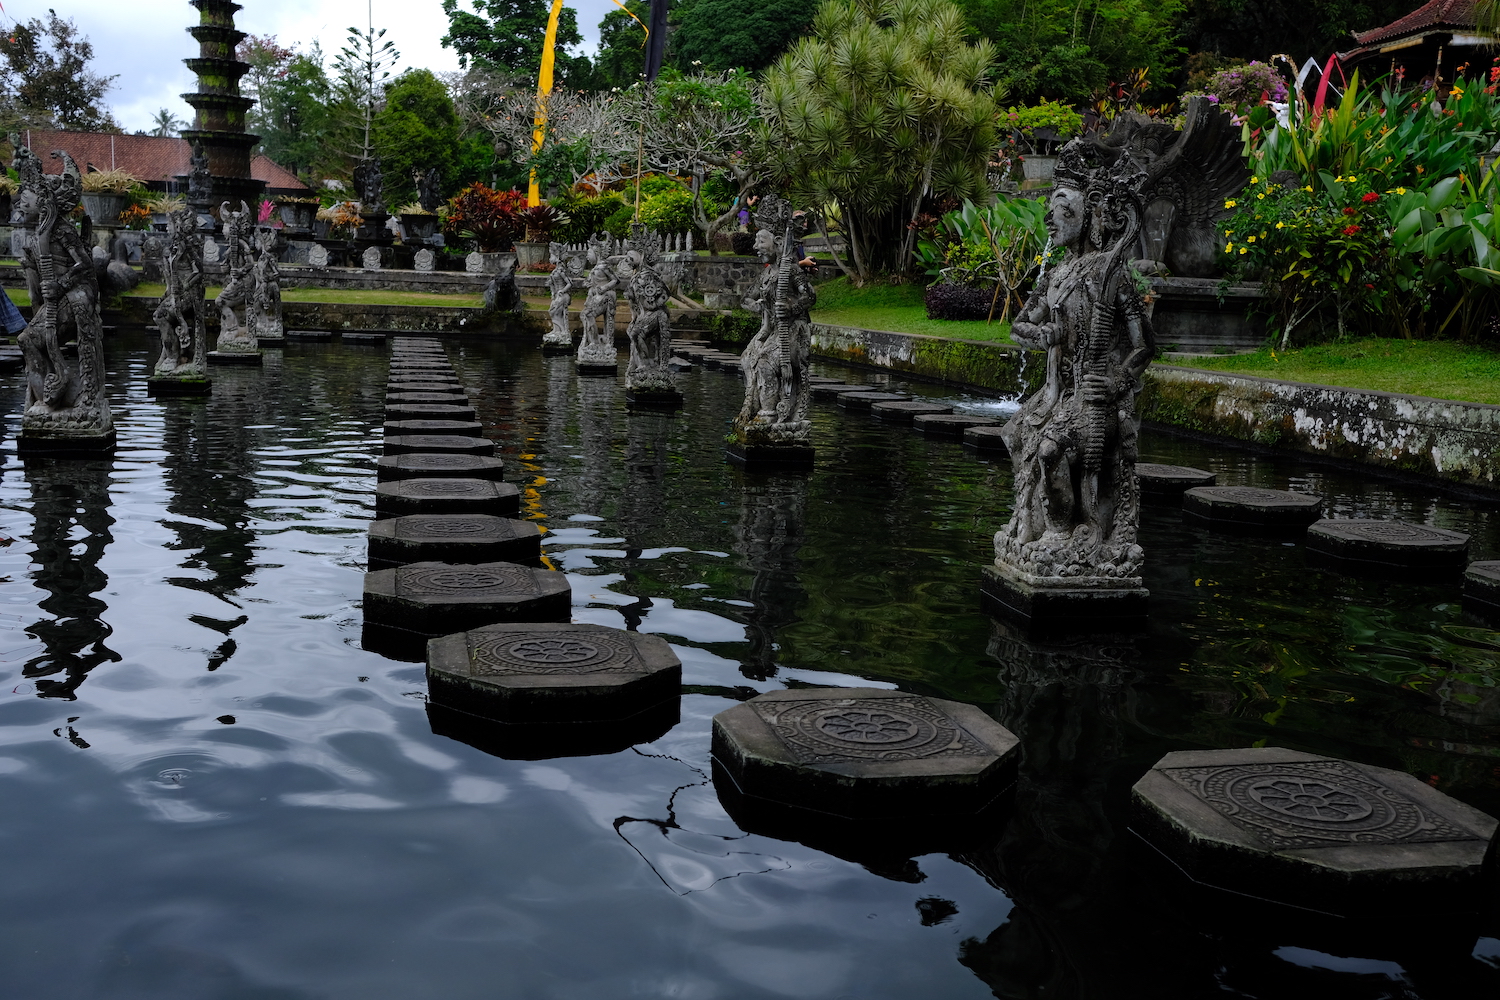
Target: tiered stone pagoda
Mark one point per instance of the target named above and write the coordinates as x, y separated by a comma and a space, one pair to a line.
219, 128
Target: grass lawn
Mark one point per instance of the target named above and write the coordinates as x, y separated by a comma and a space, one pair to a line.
897, 308
1438, 368
344, 296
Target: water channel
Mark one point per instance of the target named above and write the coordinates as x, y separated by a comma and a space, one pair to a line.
212, 792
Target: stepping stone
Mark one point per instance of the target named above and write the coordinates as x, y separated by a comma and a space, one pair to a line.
170, 385
1248, 507
1390, 544
863, 400
823, 380
446, 388
433, 598
832, 389
595, 369
270, 341
904, 412
417, 396
439, 465
362, 337
1316, 832
428, 411
461, 428
950, 424
864, 752
1482, 587
712, 360
453, 538
986, 438
447, 496
421, 366
1165, 484
309, 335
453, 444
235, 358
552, 673
445, 378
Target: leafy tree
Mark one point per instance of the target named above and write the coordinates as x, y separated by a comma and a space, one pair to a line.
715, 35
1258, 29
45, 80
510, 34
417, 129
361, 70
621, 56
298, 121
165, 125
886, 106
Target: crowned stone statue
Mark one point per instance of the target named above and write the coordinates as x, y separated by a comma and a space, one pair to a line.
560, 284
182, 368
596, 351
649, 379
236, 343
265, 310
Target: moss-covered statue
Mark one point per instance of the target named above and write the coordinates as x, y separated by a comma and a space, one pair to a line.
649, 377
180, 317
265, 300
66, 406
772, 426
1069, 551
596, 351
235, 299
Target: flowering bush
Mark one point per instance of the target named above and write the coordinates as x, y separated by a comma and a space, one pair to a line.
136, 217
1240, 88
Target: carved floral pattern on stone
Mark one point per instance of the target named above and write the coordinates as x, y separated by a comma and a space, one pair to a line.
583, 652
824, 731
466, 581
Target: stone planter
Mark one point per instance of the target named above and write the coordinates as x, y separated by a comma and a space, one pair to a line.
529, 254
416, 227
1039, 168
104, 207
297, 216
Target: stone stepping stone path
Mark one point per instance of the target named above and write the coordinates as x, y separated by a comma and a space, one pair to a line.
825, 390
1165, 484
1482, 587
434, 598
430, 465
1316, 832
1389, 544
455, 398
363, 337
446, 388
904, 412
405, 444
552, 673
309, 335
453, 538
1252, 508
823, 380
951, 424
428, 411
986, 439
864, 399
462, 428
865, 752
466, 495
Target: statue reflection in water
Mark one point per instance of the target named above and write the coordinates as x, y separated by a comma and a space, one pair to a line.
70, 530
770, 533
596, 422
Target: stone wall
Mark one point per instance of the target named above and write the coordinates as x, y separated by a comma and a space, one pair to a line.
997, 369
1443, 439
1206, 315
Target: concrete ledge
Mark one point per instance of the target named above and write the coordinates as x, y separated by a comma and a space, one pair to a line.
983, 365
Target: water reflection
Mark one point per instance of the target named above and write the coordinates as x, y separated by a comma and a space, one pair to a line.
770, 532
597, 407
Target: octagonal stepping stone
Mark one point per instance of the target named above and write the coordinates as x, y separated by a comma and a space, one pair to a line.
448, 389
822, 390
1165, 484
986, 438
421, 376
461, 428
433, 598
429, 411
951, 424
714, 359
1316, 832
453, 538
309, 335
865, 399
363, 337
453, 444
903, 412
823, 380
552, 673
1389, 544
438, 465
447, 496
445, 398
410, 365
1482, 587
1251, 508
864, 752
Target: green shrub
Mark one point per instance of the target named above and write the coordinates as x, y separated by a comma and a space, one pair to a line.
618, 224
669, 212
586, 216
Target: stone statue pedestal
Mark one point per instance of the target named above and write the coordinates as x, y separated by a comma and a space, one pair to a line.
179, 385
598, 369
552, 348
235, 358
1063, 605
770, 457
64, 442
653, 399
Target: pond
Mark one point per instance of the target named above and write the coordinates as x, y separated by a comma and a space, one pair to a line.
212, 791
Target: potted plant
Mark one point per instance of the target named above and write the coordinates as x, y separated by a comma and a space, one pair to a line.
106, 193
297, 213
487, 220
162, 206
1040, 130
537, 221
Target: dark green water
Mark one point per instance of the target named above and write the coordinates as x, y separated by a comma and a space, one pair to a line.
210, 791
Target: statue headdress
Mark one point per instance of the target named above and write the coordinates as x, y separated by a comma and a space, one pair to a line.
1110, 180
68, 186
645, 242
773, 213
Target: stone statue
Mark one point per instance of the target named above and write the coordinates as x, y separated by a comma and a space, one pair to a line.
773, 424
649, 374
428, 184
560, 283
234, 299
200, 183
180, 316
501, 294
597, 349
266, 303
66, 408
368, 182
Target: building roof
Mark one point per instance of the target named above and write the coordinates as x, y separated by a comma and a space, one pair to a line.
153, 159
1436, 15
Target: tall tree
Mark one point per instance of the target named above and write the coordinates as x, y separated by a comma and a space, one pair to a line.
165, 125
509, 35
621, 56
45, 80
417, 129
361, 70
300, 124
715, 35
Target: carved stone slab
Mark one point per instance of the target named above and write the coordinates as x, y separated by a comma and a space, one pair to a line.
428, 411
551, 672
446, 496
1251, 507
317, 255
441, 465
987, 438
412, 394
864, 399
453, 538
950, 424
1166, 484
371, 258
1312, 831
1390, 543
424, 260
432, 598
864, 752
309, 335
447, 389
1482, 587
904, 412
474, 263
405, 444
428, 428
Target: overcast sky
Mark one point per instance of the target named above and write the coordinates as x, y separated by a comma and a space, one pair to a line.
145, 41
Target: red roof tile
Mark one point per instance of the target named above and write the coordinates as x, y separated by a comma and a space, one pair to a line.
1437, 15
151, 158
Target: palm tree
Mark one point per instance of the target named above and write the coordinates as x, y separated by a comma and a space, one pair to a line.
166, 125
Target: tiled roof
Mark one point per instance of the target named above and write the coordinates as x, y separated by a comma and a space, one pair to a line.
1435, 15
153, 159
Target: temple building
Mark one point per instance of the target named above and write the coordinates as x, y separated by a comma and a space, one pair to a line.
1439, 40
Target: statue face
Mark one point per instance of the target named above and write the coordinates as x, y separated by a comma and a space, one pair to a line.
765, 245
1065, 214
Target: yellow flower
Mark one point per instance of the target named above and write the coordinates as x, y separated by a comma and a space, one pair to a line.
1338, 180
1352, 178
1250, 239
1229, 203
1308, 189
1261, 196
1244, 249
1401, 190
1280, 225
1229, 248
1255, 180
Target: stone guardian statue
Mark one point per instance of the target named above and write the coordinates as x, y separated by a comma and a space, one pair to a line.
236, 343
66, 409
560, 283
596, 351
649, 379
182, 368
265, 313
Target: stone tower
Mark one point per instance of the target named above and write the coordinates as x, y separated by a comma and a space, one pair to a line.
219, 127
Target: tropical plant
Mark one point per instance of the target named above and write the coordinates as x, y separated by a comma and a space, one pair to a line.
1240, 88
887, 105
165, 204
1043, 124
586, 214
109, 181
416, 129
486, 216
136, 217
538, 221
998, 248
670, 211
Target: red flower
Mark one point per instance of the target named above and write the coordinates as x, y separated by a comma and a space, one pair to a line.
1368, 285
1351, 211
1369, 197
1350, 230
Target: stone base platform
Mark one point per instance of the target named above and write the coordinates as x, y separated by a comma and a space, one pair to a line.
643, 400
463, 539
986, 439
1388, 547
1165, 484
31, 443
769, 458
235, 358
594, 369
270, 341
1062, 610
1251, 509
905, 413
428, 411
309, 335
427, 465
170, 385
568, 348
450, 444
430, 599
462, 495
430, 428
362, 337
951, 425
1482, 589
864, 400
